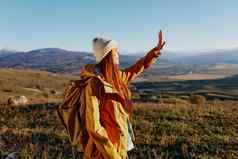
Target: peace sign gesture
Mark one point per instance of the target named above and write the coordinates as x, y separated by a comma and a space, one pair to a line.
160, 44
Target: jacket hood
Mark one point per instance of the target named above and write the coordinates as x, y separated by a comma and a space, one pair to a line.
89, 71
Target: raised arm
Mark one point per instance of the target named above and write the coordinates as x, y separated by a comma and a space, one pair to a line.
130, 73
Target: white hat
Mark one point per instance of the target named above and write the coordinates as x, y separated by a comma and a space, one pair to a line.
102, 46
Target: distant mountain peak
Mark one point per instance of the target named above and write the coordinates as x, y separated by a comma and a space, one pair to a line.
46, 50
7, 51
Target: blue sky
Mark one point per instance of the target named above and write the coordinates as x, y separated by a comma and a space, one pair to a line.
72, 24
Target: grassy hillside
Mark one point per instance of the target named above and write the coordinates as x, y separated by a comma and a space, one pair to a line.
163, 130
173, 119
33, 84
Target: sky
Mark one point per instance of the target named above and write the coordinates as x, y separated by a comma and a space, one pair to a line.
72, 24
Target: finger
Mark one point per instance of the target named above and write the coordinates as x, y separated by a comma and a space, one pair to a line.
160, 37
158, 40
162, 45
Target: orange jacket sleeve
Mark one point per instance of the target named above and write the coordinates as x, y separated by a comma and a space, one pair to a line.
130, 73
94, 127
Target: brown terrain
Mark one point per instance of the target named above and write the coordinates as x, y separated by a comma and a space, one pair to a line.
178, 118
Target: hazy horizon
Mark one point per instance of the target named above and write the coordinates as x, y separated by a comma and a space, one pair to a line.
183, 52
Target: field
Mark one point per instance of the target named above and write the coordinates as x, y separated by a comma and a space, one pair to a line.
36, 85
171, 119
162, 131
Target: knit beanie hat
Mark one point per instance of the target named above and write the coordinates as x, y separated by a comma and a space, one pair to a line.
102, 46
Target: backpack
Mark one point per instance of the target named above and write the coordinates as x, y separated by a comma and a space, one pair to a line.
70, 114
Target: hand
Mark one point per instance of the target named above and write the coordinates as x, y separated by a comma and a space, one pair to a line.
160, 44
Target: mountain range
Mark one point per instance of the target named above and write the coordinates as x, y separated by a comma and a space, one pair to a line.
218, 56
54, 60
58, 60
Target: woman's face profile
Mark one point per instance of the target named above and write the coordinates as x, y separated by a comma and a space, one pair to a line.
115, 56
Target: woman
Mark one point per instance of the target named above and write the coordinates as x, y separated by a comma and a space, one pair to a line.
107, 100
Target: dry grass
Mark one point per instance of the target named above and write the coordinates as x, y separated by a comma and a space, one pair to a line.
178, 131
162, 131
32, 84
172, 127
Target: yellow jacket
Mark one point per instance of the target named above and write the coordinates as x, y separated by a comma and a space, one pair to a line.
107, 136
